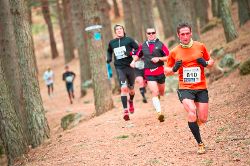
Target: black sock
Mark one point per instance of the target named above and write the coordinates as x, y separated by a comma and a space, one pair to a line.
131, 97
195, 131
142, 90
124, 101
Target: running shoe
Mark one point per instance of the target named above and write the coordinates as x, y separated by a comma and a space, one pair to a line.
131, 107
161, 117
144, 100
201, 148
126, 115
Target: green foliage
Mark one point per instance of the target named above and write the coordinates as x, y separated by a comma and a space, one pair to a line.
227, 61
207, 162
245, 68
171, 43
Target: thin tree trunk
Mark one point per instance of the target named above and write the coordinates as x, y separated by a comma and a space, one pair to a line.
243, 11
78, 27
227, 21
186, 13
129, 25
37, 122
147, 14
46, 15
116, 10
102, 94
201, 8
67, 30
139, 33
215, 8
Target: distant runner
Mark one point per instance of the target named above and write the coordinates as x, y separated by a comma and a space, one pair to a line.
48, 77
122, 47
69, 77
154, 53
189, 58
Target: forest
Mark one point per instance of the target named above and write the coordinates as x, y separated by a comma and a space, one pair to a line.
36, 35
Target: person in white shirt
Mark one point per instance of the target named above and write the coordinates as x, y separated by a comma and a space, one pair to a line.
48, 77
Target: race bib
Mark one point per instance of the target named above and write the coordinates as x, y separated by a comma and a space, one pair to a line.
139, 64
191, 74
119, 52
69, 78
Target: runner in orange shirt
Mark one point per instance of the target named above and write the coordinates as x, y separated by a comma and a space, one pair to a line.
190, 58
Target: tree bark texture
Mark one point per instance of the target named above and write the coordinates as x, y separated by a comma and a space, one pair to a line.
46, 15
127, 12
215, 8
183, 11
165, 16
147, 14
227, 21
78, 27
243, 11
11, 117
139, 33
102, 90
67, 32
201, 8
37, 123
116, 9
107, 35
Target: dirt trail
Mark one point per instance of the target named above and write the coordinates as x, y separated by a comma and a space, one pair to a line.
109, 140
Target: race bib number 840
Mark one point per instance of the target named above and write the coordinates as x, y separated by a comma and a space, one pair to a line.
192, 74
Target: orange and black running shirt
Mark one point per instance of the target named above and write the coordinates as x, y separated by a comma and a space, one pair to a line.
191, 73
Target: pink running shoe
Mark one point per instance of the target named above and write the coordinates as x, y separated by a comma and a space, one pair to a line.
126, 115
131, 107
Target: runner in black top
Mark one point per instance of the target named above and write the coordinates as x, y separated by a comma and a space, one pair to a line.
122, 47
68, 77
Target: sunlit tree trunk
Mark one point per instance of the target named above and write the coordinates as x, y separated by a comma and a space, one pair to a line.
147, 14
46, 15
102, 94
227, 21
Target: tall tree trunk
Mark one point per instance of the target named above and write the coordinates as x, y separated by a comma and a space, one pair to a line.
165, 15
215, 8
11, 119
116, 9
227, 21
243, 11
78, 27
67, 30
37, 122
201, 8
147, 14
186, 13
46, 15
139, 33
102, 94
107, 35
129, 25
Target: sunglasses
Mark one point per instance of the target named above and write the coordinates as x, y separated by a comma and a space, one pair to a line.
151, 33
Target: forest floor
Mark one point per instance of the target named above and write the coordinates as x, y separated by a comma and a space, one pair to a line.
109, 140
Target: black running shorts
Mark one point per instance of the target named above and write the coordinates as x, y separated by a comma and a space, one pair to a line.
126, 77
160, 79
139, 72
200, 95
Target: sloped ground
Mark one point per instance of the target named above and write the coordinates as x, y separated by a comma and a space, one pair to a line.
109, 140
